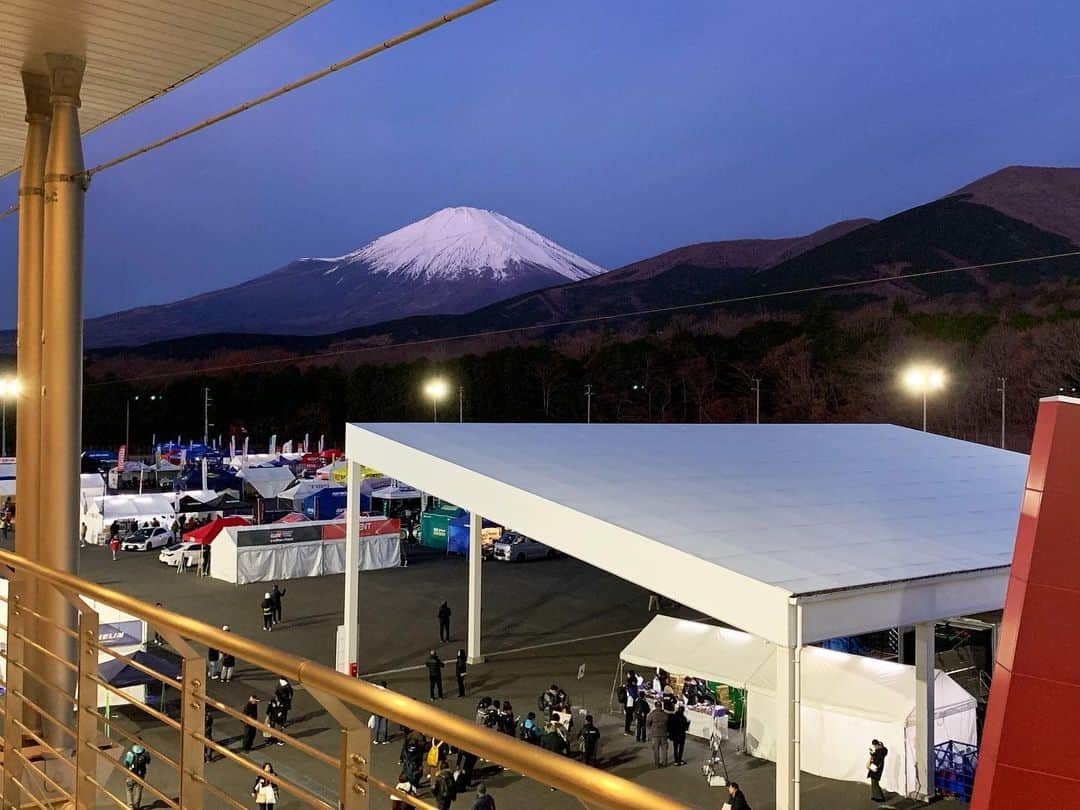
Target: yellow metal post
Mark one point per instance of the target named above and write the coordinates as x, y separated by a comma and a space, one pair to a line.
86, 722
61, 365
192, 724
28, 397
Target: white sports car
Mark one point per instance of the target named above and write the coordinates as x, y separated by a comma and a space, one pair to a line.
147, 539
190, 553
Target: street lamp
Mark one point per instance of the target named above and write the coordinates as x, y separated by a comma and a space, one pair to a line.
436, 389
923, 380
9, 389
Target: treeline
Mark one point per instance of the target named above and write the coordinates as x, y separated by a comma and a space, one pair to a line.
822, 366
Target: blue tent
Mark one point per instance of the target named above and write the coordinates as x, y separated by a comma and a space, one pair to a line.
122, 675
326, 503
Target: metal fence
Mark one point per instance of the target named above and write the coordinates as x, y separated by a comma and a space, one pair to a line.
61, 750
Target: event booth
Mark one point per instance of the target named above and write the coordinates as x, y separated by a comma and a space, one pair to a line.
267, 482
846, 700
280, 551
100, 512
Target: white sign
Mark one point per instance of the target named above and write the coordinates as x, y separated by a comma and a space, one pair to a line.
581, 672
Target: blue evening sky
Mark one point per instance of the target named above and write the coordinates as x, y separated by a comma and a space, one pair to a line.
619, 128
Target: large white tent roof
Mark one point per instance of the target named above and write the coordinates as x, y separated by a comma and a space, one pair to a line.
736, 520
269, 482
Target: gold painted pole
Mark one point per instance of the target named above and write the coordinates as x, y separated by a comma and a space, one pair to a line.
61, 409
28, 392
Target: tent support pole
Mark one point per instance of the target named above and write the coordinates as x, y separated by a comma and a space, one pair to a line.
476, 525
924, 710
352, 567
788, 659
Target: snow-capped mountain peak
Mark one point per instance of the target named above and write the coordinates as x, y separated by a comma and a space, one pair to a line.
454, 243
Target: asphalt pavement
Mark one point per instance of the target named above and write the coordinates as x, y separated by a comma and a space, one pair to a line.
541, 621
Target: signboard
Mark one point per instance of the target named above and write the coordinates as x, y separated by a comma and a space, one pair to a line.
121, 458
120, 634
581, 672
279, 534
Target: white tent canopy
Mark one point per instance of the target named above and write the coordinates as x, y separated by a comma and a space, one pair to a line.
847, 700
269, 482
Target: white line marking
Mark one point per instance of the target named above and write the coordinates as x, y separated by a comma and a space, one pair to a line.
515, 650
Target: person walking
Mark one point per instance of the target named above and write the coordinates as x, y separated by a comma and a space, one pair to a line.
284, 694
265, 791
114, 546
208, 732
875, 767
228, 661
267, 612
82, 536
213, 663
444, 621
627, 695
380, 725
136, 761
460, 668
641, 713
589, 735
678, 724
483, 800
276, 595
738, 800
275, 719
434, 672
656, 731
251, 710
443, 788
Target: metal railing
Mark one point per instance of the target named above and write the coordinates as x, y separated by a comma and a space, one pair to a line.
59, 748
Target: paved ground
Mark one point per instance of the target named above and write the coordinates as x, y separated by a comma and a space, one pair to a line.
531, 611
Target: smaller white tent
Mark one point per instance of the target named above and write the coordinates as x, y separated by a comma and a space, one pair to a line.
269, 482
846, 700
100, 512
280, 551
301, 488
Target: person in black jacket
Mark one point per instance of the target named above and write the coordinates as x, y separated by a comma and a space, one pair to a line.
284, 694
875, 767
678, 723
251, 710
590, 741
641, 712
460, 668
444, 622
738, 800
434, 673
275, 601
208, 732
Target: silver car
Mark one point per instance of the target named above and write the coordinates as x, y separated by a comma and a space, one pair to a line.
514, 547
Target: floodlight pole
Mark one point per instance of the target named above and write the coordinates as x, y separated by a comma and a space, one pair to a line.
1002, 390
461, 403
924, 409
757, 400
588, 404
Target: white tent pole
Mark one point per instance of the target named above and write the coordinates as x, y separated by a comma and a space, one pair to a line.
924, 708
476, 524
352, 564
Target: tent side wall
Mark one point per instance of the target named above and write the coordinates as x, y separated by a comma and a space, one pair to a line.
223, 555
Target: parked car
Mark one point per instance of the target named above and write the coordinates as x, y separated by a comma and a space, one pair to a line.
147, 539
514, 547
189, 552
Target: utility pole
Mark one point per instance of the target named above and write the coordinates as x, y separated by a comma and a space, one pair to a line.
206, 417
127, 424
461, 403
756, 385
1001, 391
588, 404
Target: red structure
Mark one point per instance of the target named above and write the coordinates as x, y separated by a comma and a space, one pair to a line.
1029, 755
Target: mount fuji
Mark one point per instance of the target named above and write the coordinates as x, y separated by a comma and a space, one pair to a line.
453, 261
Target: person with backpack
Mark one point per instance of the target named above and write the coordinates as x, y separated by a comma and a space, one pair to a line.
412, 756
435, 758
460, 668
443, 788
491, 716
275, 717
507, 723
528, 730
641, 712
265, 790
136, 761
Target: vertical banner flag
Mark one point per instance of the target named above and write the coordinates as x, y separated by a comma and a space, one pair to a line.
273, 444
322, 441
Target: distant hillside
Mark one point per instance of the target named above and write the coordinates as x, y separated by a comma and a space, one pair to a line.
1047, 197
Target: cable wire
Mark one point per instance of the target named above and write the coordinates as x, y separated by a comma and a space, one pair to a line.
839, 285
367, 53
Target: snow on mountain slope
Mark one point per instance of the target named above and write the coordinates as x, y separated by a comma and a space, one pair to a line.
454, 261
458, 242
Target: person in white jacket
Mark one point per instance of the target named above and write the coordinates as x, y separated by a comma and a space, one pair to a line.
264, 791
